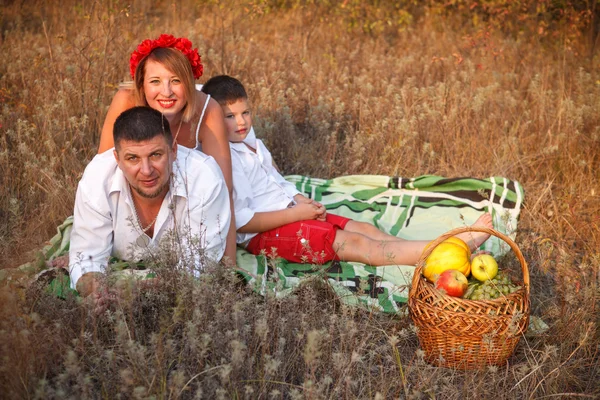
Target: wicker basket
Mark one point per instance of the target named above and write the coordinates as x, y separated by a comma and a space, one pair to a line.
468, 334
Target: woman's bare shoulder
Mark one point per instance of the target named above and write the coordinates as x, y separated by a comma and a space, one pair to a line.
122, 100
213, 109
124, 96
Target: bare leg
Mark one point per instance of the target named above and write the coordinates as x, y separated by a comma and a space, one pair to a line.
370, 231
351, 246
473, 239
476, 239
362, 242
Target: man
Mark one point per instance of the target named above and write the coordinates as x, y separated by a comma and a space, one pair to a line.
130, 198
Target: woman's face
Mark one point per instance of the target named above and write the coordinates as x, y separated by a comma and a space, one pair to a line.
164, 90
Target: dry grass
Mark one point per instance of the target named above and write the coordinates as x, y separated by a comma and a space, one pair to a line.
338, 89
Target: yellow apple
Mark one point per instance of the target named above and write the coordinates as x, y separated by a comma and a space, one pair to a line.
484, 267
452, 253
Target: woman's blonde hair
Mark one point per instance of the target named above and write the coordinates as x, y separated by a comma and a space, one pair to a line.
176, 62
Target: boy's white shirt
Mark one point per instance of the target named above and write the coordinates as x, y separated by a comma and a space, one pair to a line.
264, 155
104, 220
257, 186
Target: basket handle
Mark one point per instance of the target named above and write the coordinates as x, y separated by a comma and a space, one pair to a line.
456, 231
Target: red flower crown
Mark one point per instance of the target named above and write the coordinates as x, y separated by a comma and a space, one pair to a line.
182, 44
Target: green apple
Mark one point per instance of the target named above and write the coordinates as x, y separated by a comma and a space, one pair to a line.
484, 267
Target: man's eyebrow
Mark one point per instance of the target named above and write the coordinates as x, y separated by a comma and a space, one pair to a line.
155, 150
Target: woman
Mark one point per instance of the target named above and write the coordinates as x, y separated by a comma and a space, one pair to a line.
163, 72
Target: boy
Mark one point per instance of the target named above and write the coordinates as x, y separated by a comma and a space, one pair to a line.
270, 218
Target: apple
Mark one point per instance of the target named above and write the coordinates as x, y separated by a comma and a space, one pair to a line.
484, 267
453, 282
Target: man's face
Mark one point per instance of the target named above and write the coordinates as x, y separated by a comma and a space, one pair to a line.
238, 120
147, 165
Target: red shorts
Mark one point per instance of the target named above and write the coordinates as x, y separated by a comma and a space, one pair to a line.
308, 241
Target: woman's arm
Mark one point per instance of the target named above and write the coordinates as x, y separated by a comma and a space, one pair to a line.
213, 136
123, 100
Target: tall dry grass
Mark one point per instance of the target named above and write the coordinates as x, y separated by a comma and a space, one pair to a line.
338, 88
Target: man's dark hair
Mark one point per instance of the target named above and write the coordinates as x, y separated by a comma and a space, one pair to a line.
225, 89
139, 124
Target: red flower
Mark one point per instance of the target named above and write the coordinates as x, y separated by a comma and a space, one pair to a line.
182, 44
166, 40
145, 47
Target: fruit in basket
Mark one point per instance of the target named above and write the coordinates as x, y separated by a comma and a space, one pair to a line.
484, 267
460, 242
491, 289
453, 282
452, 253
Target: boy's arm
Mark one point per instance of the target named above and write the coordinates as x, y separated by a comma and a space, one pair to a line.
264, 221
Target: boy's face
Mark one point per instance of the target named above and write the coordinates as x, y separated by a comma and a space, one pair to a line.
238, 120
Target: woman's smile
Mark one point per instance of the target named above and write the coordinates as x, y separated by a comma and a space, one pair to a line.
168, 103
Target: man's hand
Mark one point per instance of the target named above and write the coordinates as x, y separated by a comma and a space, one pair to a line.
89, 284
94, 291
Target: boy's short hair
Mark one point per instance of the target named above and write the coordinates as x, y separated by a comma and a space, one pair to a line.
225, 89
139, 124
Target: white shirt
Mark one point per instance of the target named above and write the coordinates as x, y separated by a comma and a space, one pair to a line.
105, 223
257, 186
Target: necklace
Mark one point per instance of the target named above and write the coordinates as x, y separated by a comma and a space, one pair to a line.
178, 129
143, 240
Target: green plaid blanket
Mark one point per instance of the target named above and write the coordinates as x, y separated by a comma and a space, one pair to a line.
411, 208
423, 207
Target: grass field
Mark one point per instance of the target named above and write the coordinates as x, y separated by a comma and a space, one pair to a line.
448, 88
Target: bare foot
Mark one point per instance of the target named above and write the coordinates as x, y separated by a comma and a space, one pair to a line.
476, 239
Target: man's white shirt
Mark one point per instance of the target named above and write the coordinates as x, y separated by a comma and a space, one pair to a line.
257, 185
105, 224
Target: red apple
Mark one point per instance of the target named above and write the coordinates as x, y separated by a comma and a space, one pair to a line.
453, 282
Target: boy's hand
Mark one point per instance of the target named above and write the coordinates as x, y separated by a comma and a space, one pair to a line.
305, 200
304, 211
299, 198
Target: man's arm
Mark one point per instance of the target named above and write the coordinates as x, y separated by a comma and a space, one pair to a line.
91, 242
